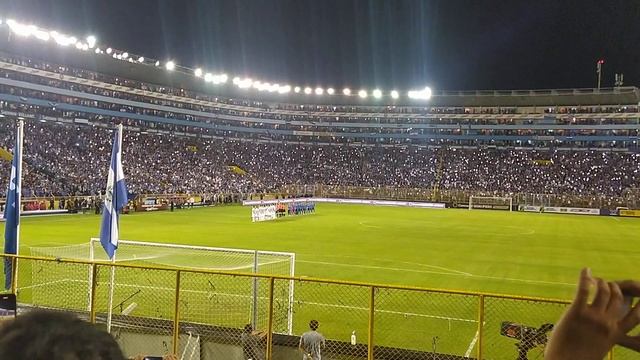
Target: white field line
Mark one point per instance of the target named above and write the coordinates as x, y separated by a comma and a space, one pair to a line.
449, 272
472, 344
385, 268
44, 284
264, 298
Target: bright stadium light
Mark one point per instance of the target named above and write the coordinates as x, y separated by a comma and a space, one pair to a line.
296, 89
424, 94
97, 50
170, 65
19, 29
79, 45
307, 90
346, 91
330, 91
208, 77
141, 59
61, 39
236, 80
91, 41
85, 47
284, 89
362, 93
40, 34
319, 91
197, 72
109, 50
223, 78
245, 83
157, 63
125, 55
377, 93
395, 94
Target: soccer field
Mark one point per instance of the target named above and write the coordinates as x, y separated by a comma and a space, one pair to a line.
489, 251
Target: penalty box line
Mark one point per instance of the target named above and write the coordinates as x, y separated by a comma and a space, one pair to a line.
350, 307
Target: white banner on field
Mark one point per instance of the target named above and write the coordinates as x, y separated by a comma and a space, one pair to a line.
570, 210
416, 204
530, 208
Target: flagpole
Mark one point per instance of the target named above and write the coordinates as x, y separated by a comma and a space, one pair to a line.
113, 259
20, 135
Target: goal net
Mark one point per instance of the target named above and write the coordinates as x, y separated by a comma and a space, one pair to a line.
491, 202
152, 292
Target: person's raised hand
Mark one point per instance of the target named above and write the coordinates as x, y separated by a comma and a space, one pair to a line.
588, 331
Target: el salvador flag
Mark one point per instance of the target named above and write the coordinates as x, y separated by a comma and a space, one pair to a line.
115, 198
12, 211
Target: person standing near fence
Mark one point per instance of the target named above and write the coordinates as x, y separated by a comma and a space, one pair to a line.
253, 343
312, 342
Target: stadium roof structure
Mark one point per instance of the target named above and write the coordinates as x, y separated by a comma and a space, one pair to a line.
170, 74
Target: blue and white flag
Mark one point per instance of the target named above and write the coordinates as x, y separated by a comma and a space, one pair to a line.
12, 209
115, 198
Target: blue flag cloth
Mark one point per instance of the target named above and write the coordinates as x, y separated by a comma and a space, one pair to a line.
12, 212
115, 199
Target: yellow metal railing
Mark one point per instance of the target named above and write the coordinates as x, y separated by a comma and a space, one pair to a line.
204, 314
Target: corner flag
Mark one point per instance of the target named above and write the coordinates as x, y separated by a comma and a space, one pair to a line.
115, 198
12, 208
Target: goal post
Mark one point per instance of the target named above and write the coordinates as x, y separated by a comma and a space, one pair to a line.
245, 295
491, 202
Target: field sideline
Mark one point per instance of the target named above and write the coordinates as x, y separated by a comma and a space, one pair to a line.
488, 251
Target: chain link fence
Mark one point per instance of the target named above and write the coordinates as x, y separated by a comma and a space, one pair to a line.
206, 315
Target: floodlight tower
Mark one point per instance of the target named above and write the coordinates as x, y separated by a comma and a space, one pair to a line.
599, 70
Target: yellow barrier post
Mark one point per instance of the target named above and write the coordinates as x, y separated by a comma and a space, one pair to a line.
372, 313
92, 300
480, 325
176, 315
610, 357
14, 275
270, 322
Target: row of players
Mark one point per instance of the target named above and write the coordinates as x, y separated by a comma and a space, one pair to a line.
273, 211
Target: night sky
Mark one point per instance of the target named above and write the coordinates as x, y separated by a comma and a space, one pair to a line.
448, 44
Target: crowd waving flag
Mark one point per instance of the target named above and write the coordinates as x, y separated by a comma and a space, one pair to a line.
115, 198
12, 207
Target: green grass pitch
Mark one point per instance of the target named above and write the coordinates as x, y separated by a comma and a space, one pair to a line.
526, 254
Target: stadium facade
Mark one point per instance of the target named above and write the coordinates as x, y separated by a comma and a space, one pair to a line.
580, 145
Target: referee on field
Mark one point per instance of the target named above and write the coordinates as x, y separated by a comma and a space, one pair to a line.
311, 342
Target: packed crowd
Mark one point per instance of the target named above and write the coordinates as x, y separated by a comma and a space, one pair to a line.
73, 159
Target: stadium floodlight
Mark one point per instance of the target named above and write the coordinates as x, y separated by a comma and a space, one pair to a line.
97, 50
61, 39
109, 50
274, 88
197, 72
157, 63
79, 45
319, 91
85, 47
19, 29
307, 90
377, 93
170, 65
208, 77
125, 55
236, 80
223, 78
245, 83
346, 91
284, 89
424, 94
362, 93
141, 59
395, 94
91, 41
296, 89
40, 34
330, 91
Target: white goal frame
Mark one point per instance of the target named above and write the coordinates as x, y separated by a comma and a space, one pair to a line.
254, 253
510, 199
